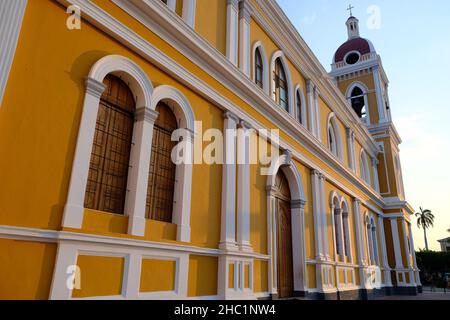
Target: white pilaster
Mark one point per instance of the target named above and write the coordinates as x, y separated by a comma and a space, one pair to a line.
415, 267
323, 215
131, 278
228, 221
189, 10
11, 18
138, 173
172, 4
318, 229
244, 38
311, 107
387, 269
406, 249
74, 208
379, 94
232, 31
243, 194
359, 233
317, 113
298, 245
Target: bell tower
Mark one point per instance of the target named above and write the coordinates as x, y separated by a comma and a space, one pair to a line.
358, 72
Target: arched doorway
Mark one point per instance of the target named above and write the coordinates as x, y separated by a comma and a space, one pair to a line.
285, 270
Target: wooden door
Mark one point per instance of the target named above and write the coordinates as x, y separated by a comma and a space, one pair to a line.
284, 239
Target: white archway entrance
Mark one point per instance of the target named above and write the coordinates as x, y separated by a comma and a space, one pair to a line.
297, 205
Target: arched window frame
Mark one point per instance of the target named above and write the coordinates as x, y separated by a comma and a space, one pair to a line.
333, 131
364, 170
146, 99
365, 91
265, 76
374, 241
303, 116
341, 228
290, 93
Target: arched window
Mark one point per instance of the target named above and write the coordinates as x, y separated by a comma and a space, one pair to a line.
372, 229
110, 157
346, 230
300, 115
364, 167
259, 68
161, 181
332, 140
280, 93
338, 227
358, 101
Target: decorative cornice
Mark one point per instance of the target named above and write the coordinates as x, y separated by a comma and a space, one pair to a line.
94, 87
146, 114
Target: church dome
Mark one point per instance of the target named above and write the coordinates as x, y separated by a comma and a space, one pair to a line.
360, 45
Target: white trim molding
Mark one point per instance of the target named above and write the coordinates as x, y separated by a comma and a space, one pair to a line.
258, 45
11, 18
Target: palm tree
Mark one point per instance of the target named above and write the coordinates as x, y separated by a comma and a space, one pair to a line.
425, 219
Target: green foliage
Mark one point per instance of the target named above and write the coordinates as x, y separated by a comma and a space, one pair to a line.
425, 219
434, 266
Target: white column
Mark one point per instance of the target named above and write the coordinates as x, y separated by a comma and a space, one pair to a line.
243, 194
379, 94
189, 9
65, 271
140, 157
318, 239
387, 269
131, 282
396, 243
182, 207
244, 37
74, 208
323, 215
311, 107
232, 31
351, 149
375, 174
271, 227
318, 228
228, 221
359, 234
11, 18
298, 245
412, 279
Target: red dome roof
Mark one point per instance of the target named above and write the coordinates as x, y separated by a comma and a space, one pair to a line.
358, 44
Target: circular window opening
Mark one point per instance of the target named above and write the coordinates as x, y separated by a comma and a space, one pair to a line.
352, 58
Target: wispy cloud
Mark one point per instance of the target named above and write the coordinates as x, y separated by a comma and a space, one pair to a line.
309, 20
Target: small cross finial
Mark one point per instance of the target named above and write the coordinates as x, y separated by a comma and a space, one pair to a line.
350, 7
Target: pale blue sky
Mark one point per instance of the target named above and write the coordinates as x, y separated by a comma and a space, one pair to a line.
414, 44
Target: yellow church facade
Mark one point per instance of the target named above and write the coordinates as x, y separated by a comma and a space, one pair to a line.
92, 206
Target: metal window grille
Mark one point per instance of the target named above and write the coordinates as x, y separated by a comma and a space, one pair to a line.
108, 173
161, 182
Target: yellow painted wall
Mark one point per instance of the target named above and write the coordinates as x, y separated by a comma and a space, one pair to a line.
157, 275
260, 276
312, 279
26, 269
202, 276
100, 276
211, 22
